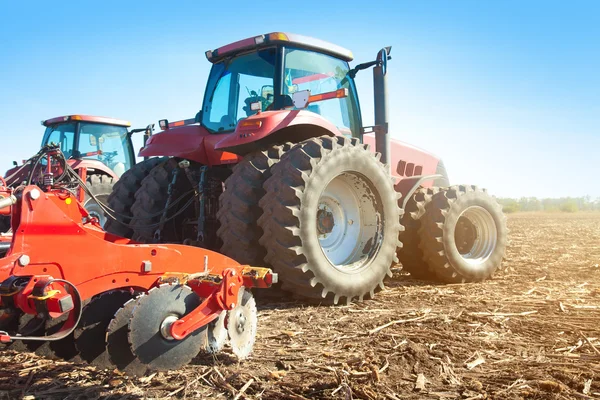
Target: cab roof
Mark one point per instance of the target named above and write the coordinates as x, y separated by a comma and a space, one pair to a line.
86, 118
279, 37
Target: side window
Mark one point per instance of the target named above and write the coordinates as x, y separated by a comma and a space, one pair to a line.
220, 99
254, 89
234, 85
61, 135
320, 73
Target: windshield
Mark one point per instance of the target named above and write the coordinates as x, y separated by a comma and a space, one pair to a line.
320, 73
235, 84
108, 144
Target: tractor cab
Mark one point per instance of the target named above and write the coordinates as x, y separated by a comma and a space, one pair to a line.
265, 72
81, 137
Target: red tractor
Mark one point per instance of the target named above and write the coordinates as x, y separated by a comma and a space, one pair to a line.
99, 146
277, 169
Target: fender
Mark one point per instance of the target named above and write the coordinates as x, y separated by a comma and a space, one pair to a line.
192, 142
408, 186
93, 164
261, 129
17, 176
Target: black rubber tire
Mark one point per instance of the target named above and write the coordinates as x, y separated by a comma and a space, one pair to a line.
437, 234
4, 223
238, 206
122, 196
101, 187
289, 219
410, 254
150, 201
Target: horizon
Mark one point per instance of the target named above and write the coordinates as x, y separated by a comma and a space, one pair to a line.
507, 94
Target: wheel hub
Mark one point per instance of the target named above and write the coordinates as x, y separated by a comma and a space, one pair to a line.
165, 327
325, 221
475, 235
241, 323
465, 234
348, 222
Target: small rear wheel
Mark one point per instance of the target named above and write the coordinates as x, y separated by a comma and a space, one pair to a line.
463, 234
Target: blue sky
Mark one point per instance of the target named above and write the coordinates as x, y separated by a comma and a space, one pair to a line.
506, 92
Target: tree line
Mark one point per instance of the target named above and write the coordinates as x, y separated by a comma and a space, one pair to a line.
564, 204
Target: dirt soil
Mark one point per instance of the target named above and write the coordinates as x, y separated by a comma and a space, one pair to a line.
532, 332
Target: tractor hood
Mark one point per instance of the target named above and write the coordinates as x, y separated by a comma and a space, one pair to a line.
192, 142
255, 131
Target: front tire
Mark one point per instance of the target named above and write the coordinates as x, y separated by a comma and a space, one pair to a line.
101, 186
463, 234
330, 220
239, 210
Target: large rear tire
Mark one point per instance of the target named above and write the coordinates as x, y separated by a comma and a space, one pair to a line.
463, 234
122, 196
239, 210
330, 220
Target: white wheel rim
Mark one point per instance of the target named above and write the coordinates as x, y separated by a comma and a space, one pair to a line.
95, 211
476, 235
348, 224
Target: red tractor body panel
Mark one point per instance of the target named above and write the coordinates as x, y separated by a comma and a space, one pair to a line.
75, 164
259, 126
192, 142
407, 160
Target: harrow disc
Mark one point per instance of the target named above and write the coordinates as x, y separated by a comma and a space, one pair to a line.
117, 345
64, 348
217, 334
148, 328
90, 334
10, 321
241, 325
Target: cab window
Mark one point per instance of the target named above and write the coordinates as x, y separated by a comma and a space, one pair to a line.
320, 73
61, 135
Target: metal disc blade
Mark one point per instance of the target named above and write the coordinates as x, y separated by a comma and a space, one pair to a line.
90, 334
117, 345
147, 339
241, 325
217, 334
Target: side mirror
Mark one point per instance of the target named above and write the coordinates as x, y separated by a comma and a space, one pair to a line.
300, 99
382, 58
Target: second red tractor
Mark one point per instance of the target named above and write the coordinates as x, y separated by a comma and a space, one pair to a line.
278, 169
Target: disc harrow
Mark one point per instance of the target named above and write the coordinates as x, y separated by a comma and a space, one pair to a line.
69, 289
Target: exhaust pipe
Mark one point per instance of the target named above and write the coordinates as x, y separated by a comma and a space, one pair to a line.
382, 139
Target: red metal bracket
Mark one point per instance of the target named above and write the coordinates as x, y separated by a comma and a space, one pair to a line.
224, 297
